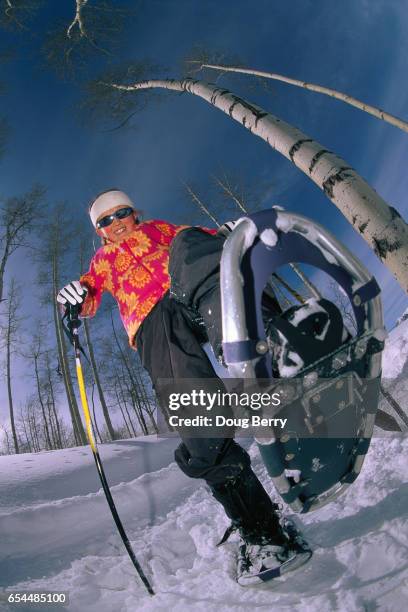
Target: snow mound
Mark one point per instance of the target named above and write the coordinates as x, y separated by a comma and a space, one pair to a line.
360, 544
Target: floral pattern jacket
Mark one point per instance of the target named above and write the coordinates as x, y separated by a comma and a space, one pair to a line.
134, 271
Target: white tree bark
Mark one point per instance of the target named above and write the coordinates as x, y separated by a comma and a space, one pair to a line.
78, 21
379, 224
333, 93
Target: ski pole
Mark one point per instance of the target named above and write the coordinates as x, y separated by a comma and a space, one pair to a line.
72, 313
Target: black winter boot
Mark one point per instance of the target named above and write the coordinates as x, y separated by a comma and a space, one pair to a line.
250, 509
265, 550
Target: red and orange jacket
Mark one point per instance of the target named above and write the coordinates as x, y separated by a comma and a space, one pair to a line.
134, 271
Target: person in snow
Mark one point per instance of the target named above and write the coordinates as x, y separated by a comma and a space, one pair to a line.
165, 279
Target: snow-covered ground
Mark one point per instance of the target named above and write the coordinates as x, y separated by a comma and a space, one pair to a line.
396, 354
57, 534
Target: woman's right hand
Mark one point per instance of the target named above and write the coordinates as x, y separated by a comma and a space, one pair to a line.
74, 293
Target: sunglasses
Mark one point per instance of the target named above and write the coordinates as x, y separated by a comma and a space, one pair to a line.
122, 213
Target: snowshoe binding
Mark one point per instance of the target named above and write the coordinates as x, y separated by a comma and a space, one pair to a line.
264, 562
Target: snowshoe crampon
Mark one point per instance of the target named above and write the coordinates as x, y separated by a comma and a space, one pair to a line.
327, 378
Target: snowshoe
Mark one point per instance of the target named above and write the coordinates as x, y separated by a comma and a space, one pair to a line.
328, 379
260, 563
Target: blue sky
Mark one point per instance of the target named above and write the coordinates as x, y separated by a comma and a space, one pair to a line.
356, 46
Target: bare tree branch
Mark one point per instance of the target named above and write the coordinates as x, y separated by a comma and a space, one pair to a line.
79, 21
16, 222
16, 14
94, 30
333, 93
200, 204
226, 187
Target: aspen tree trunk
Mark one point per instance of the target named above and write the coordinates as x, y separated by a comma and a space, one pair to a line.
124, 402
152, 420
23, 421
8, 442
35, 432
52, 426
52, 398
95, 422
133, 389
11, 304
4, 259
123, 414
332, 93
79, 432
97, 380
379, 224
10, 394
30, 426
128, 393
145, 403
138, 411
40, 399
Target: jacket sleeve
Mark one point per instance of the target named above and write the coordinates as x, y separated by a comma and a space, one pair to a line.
94, 280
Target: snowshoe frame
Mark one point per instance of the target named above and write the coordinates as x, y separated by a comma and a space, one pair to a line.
258, 246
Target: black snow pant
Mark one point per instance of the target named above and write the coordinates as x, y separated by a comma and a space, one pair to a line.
169, 343
169, 346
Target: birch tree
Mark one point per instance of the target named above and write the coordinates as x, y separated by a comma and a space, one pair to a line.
132, 385
116, 383
24, 426
51, 387
379, 224
5, 439
39, 356
332, 93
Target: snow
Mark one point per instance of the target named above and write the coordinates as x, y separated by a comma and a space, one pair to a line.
403, 317
397, 351
269, 237
57, 532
